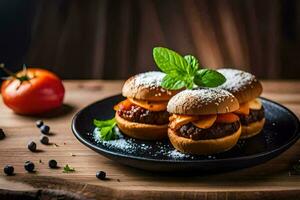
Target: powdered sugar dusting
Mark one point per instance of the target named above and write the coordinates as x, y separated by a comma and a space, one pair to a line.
197, 98
131, 146
121, 143
146, 84
176, 154
206, 95
153, 78
236, 80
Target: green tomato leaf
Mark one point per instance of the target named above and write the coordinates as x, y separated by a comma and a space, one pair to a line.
193, 64
169, 61
172, 83
209, 78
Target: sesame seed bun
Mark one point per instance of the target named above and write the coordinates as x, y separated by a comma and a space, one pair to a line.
243, 85
202, 101
252, 129
146, 86
203, 147
141, 131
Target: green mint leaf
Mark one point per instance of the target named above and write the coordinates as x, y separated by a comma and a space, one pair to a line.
112, 134
169, 61
193, 64
189, 82
184, 71
108, 133
102, 123
105, 132
68, 169
209, 78
106, 129
180, 71
172, 83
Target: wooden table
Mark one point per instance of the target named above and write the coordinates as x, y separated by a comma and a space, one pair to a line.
267, 181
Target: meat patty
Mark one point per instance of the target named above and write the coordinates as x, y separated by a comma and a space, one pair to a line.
254, 116
142, 115
217, 130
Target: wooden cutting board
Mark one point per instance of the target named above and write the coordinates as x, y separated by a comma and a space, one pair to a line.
267, 181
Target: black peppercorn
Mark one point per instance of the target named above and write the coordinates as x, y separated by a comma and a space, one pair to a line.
2, 135
29, 166
52, 164
39, 123
9, 170
44, 139
32, 146
101, 175
45, 129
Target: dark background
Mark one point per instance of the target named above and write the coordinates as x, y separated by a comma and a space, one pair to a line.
113, 39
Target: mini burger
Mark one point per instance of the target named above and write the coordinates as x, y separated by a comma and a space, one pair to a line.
202, 121
143, 115
246, 88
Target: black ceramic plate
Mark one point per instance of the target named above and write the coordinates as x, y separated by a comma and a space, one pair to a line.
281, 130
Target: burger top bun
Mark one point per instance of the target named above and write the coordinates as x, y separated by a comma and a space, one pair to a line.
202, 101
243, 85
146, 86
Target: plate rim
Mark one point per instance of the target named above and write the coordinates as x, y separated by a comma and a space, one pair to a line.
94, 147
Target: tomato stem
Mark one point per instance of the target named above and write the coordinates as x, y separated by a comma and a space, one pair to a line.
7, 71
23, 77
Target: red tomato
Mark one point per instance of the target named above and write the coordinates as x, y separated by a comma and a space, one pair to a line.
227, 118
123, 105
41, 92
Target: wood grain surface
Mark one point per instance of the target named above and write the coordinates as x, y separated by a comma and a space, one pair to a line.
271, 180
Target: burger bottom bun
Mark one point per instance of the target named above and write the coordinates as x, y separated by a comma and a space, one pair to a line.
252, 129
141, 131
203, 147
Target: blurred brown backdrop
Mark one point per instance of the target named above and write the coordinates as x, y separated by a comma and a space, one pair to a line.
114, 39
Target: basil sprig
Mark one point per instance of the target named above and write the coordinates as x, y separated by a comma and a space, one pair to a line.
184, 71
106, 129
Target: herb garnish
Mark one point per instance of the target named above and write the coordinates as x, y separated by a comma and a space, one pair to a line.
106, 129
68, 169
184, 71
